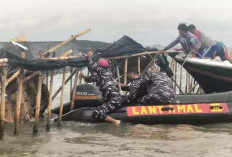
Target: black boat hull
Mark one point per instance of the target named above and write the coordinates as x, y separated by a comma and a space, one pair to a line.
211, 78
182, 114
185, 109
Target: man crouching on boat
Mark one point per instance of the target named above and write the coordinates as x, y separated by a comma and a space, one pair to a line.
154, 88
209, 48
188, 41
104, 80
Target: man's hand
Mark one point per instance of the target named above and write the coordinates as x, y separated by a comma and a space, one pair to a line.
193, 53
119, 85
82, 75
90, 54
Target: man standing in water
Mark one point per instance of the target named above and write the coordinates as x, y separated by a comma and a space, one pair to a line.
187, 40
110, 94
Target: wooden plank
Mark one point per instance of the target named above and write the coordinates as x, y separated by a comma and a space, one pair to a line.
65, 42
77, 75
19, 98
3, 100
139, 65
125, 71
38, 101
60, 88
62, 98
50, 102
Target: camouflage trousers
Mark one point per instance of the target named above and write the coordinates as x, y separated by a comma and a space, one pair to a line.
158, 96
112, 104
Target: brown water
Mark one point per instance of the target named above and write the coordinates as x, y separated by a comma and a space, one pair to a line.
80, 139
83, 139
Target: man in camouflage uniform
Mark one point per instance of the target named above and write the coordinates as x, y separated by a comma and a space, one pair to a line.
160, 88
104, 80
155, 88
137, 88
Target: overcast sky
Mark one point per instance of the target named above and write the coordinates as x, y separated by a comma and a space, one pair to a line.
147, 21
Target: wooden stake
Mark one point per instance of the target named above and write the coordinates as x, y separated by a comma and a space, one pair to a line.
31, 77
63, 58
175, 76
71, 81
50, 102
125, 71
193, 87
19, 98
66, 81
180, 77
141, 54
189, 83
65, 42
119, 81
74, 90
3, 101
139, 65
67, 53
46, 78
13, 76
38, 100
186, 82
62, 97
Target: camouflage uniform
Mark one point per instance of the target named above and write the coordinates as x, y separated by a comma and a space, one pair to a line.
155, 88
160, 89
137, 89
110, 94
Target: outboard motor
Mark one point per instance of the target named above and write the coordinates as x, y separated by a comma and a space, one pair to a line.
87, 95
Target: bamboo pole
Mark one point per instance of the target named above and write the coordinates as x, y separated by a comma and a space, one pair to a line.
193, 87
60, 88
62, 98
147, 67
194, 82
141, 54
189, 83
3, 60
3, 101
119, 80
46, 79
180, 77
199, 90
30, 77
71, 81
172, 64
62, 57
139, 65
80, 80
67, 53
125, 71
65, 42
175, 72
50, 102
19, 98
77, 75
186, 83
38, 100
13, 76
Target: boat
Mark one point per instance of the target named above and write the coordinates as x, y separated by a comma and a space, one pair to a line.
213, 76
185, 109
